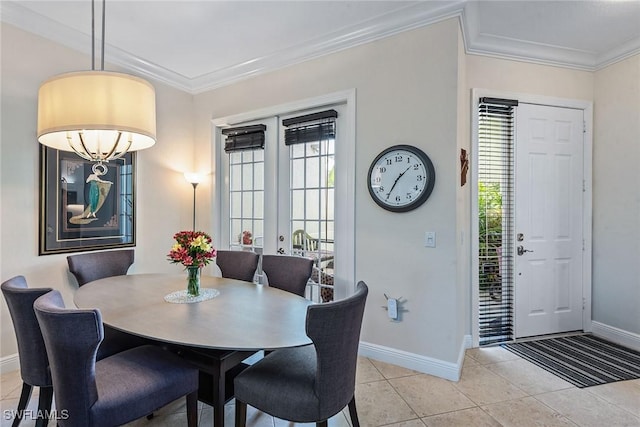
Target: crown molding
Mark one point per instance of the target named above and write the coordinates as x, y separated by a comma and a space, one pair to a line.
480, 43
15, 14
485, 44
407, 18
620, 53
413, 16
398, 21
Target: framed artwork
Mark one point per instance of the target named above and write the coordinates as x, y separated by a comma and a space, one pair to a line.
84, 205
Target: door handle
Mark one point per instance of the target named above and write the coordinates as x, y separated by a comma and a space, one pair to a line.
522, 250
281, 251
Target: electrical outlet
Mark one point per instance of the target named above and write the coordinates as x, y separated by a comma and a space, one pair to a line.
392, 308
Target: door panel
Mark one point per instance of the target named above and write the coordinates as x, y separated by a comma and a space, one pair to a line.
306, 213
549, 171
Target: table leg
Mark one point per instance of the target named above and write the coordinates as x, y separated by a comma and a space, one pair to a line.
218, 388
218, 368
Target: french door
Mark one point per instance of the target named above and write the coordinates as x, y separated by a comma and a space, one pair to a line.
281, 198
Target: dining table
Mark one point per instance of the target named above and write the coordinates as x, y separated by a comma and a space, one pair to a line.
216, 335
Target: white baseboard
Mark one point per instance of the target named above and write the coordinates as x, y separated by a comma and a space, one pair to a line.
619, 336
9, 364
416, 362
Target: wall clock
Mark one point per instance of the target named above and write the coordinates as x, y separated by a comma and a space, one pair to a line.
401, 178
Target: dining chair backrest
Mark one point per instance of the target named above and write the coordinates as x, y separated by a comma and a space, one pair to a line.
334, 328
309, 383
114, 390
98, 265
34, 365
72, 338
239, 265
289, 273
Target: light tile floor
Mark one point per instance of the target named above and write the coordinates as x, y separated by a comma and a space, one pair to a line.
497, 388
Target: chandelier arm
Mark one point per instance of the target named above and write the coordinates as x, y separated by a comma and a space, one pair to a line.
92, 156
113, 148
84, 155
122, 153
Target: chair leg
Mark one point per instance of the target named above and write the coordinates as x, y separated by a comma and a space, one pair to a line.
25, 395
353, 413
241, 413
44, 406
192, 409
324, 423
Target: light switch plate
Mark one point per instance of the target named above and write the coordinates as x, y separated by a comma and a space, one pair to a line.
430, 239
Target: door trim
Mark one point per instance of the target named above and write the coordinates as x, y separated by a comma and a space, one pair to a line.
344, 280
587, 210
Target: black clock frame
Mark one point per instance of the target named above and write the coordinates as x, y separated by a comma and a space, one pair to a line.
431, 178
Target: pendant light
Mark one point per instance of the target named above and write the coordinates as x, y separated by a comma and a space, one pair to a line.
99, 115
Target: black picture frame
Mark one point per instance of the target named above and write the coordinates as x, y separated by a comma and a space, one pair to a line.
80, 213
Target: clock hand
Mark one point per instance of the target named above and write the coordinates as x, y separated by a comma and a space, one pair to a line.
396, 181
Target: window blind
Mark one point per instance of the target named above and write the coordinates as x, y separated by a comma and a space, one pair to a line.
496, 218
244, 138
310, 127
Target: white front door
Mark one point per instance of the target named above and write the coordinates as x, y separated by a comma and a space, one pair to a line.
548, 220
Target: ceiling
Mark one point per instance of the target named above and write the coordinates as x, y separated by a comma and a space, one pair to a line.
200, 45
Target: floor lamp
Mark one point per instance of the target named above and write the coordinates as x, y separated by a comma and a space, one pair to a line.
194, 179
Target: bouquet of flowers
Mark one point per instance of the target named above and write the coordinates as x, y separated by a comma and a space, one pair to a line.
192, 249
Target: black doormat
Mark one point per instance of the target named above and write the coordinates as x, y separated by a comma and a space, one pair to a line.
582, 360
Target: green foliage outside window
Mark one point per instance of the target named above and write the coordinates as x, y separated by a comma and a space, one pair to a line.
490, 232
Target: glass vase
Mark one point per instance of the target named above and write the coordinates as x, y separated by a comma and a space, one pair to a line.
193, 280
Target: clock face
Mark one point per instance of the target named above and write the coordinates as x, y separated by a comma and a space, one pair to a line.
401, 178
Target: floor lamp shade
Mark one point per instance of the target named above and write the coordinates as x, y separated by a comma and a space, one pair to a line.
98, 114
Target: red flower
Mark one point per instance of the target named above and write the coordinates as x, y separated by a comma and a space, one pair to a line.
192, 248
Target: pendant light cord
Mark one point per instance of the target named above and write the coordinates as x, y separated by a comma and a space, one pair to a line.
93, 35
104, 5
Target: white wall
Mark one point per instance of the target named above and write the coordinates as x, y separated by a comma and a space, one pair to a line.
463, 200
163, 196
406, 89
412, 88
484, 72
616, 196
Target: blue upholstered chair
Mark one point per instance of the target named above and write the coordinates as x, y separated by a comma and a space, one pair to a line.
239, 265
92, 266
311, 383
114, 390
289, 273
34, 365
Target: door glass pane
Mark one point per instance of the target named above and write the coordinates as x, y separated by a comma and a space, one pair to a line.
297, 173
312, 205
246, 175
